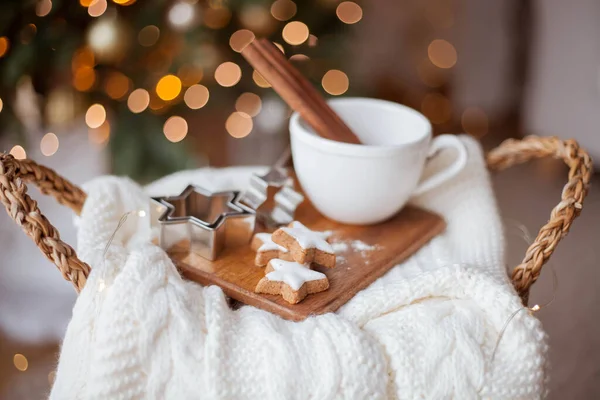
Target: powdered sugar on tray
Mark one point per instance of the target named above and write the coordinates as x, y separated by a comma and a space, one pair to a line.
354, 246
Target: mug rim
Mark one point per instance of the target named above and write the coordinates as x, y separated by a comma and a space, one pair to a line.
302, 133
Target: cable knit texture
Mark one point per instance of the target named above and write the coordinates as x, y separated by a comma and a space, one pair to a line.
425, 330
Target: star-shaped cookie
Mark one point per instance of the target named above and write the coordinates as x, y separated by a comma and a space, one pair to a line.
267, 250
305, 245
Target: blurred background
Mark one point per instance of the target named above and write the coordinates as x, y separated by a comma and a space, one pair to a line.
148, 87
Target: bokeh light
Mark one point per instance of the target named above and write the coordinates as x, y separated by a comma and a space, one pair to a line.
216, 18
124, 2
257, 18
95, 115
190, 74
295, 33
18, 152
442, 54
86, 3
196, 96
248, 103
97, 8
475, 121
228, 74
175, 129
299, 57
280, 47
84, 78
20, 362
100, 136
49, 144
260, 80
168, 87
181, 15
282, 10
240, 39
312, 40
149, 35
117, 85
335, 82
138, 100
83, 57
4, 45
43, 8
349, 12
437, 108
239, 125
1, 105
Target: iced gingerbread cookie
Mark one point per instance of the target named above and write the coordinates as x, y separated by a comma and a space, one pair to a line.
291, 280
267, 250
305, 245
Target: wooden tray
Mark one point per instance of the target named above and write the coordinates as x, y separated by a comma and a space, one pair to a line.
395, 240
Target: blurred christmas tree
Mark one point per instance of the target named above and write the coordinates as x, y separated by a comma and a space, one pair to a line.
137, 69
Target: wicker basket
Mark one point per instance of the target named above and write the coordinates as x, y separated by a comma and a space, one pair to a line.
14, 174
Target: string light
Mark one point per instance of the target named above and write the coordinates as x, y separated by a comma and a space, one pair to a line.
149, 35
437, 108
239, 125
196, 96
97, 8
20, 362
117, 85
49, 144
474, 121
86, 3
190, 74
100, 136
295, 32
259, 80
18, 152
104, 40
216, 18
4, 45
240, 39
124, 2
43, 8
168, 87
138, 100
95, 116
282, 10
175, 129
349, 12
442, 54
228, 74
335, 82
181, 15
248, 103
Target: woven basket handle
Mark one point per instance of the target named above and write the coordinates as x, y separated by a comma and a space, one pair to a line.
513, 152
25, 212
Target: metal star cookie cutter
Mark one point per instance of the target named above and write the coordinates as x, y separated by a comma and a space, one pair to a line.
202, 222
272, 195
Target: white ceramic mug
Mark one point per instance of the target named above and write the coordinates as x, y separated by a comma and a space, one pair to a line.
370, 182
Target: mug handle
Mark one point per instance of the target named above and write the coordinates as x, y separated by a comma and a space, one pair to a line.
438, 143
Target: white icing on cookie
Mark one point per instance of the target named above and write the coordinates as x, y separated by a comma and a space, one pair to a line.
308, 239
268, 244
292, 273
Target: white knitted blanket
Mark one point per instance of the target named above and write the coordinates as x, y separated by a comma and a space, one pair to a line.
425, 330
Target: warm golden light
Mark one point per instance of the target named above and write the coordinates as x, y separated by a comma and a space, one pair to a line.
1, 105
196, 96
18, 152
349, 12
257, 18
124, 2
4, 44
312, 40
20, 362
280, 47
335, 82
117, 85
86, 3
168, 87
182, 15
228, 74
190, 74
437, 108
97, 8
240, 39
259, 80
299, 57
216, 18
239, 125
248, 103
43, 8
283, 10
100, 136
475, 121
84, 78
295, 33
49, 144
149, 35
95, 116
83, 57
442, 54
175, 129
138, 100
